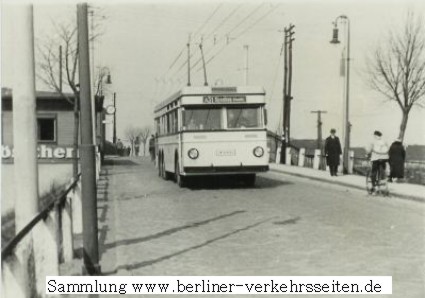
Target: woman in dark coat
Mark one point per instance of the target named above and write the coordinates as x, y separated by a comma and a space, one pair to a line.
332, 152
397, 155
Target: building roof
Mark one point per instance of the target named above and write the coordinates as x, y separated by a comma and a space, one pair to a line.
48, 100
7, 93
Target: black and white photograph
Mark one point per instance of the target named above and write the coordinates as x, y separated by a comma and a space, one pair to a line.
212, 147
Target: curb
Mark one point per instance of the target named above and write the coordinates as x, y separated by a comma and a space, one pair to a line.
341, 183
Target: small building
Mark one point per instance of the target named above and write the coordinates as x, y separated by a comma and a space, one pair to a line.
55, 134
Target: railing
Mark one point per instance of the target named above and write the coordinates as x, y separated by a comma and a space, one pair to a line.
58, 202
38, 249
51, 233
414, 170
309, 161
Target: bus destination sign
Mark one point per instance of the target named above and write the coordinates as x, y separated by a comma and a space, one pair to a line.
224, 99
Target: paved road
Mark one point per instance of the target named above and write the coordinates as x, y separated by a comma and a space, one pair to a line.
283, 226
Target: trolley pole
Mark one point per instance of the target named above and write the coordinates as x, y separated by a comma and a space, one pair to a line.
88, 166
203, 64
188, 61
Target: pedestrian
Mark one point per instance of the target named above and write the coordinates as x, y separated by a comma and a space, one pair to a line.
120, 148
397, 157
152, 147
283, 150
333, 152
378, 152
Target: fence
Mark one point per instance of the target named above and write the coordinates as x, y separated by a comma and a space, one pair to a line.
414, 170
51, 235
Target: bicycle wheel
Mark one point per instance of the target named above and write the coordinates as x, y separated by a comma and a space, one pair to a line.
369, 185
382, 187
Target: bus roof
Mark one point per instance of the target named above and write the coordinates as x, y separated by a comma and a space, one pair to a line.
211, 90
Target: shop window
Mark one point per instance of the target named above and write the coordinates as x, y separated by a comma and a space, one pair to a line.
46, 129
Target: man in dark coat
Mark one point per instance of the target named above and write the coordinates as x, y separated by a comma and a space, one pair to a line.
397, 156
332, 152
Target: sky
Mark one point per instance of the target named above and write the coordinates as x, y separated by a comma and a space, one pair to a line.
142, 39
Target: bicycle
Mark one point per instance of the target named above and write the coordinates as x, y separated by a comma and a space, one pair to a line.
381, 186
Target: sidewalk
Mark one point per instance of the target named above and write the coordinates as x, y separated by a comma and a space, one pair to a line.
403, 190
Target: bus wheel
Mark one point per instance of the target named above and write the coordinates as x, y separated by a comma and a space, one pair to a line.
250, 180
179, 178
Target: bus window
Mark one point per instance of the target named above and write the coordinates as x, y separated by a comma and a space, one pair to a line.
243, 117
202, 119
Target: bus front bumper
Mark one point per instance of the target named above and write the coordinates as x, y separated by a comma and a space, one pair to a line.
192, 171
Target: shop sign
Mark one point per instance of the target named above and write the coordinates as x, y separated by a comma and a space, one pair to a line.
43, 152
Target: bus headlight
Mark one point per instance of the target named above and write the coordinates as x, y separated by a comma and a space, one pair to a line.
193, 153
258, 151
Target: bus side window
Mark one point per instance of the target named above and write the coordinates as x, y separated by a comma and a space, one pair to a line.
265, 116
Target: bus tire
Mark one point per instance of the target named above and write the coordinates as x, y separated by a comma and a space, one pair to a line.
180, 180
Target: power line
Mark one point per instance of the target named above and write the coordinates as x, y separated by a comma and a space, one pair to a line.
275, 76
208, 35
242, 33
197, 31
227, 35
208, 19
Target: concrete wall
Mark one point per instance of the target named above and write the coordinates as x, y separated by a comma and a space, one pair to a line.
58, 173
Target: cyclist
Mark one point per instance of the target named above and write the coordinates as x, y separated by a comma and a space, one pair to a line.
378, 153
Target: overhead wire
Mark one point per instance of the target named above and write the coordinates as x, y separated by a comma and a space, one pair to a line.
197, 32
227, 35
240, 34
251, 13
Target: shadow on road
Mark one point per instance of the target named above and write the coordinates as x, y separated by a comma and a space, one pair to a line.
290, 221
170, 231
231, 182
122, 161
135, 266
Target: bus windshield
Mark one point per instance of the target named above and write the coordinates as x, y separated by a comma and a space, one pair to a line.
243, 117
202, 119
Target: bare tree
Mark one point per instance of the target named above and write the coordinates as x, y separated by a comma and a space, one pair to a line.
144, 136
131, 133
397, 69
58, 58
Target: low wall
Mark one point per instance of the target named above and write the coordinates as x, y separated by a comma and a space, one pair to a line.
48, 175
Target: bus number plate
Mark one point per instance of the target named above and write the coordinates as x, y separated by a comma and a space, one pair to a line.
225, 152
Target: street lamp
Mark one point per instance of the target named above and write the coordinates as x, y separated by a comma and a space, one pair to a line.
346, 131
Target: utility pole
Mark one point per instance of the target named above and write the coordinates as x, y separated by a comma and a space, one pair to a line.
25, 146
246, 47
289, 95
114, 135
88, 166
346, 114
287, 87
319, 127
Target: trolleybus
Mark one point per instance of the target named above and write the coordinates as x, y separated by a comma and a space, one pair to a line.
212, 131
